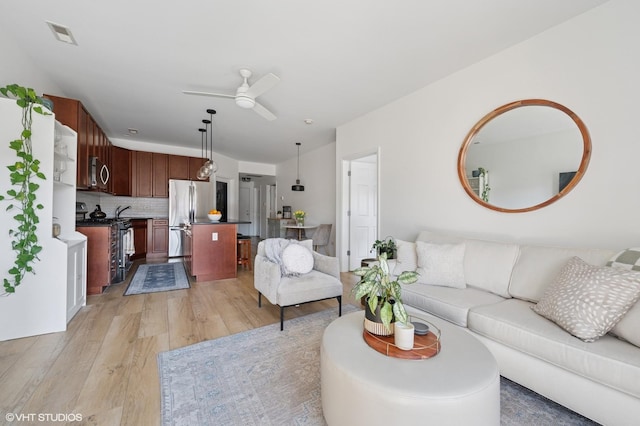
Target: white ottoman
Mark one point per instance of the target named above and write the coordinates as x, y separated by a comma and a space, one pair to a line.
459, 386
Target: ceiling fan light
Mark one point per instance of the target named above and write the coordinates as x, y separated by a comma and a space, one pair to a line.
245, 101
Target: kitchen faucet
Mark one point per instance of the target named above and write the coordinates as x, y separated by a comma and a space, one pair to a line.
119, 211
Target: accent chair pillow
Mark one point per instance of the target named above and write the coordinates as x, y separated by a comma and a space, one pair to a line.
441, 264
297, 259
406, 258
588, 301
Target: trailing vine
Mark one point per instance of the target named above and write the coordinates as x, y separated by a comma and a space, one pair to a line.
22, 197
485, 186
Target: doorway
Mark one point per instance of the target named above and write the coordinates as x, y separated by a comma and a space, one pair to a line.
221, 199
360, 184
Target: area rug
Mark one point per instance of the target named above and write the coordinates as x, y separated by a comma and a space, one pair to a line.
268, 377
155, 277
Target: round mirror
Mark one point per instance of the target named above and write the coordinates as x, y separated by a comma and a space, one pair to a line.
524, 155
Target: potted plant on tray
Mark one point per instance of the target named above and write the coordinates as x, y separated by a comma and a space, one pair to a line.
382, 293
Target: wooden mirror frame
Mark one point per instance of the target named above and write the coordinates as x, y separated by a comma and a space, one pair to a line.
586, 153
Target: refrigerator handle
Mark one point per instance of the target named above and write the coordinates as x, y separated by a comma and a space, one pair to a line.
191, 205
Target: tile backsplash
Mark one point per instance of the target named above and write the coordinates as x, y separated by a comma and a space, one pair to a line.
140, 207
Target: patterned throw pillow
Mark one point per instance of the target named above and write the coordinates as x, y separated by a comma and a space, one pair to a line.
297, 259
441, 264
586, 300
628, 259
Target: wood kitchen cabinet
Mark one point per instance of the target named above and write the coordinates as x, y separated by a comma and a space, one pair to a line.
160, 179
142, 174
139, 238
179, 167
92, 141
157, 238
102, 261
209, 259
185, 168
120, 171
150, 175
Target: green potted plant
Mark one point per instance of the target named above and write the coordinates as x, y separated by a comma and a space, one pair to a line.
388, 246
382, 293
23, 175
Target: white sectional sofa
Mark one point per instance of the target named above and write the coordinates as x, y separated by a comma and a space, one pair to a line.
501, 284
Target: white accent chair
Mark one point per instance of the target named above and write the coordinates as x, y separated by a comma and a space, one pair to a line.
323, 282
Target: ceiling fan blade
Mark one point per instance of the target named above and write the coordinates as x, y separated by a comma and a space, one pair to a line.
265, 113
216, 95
265, 83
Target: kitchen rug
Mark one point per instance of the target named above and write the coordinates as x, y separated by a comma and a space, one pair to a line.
155, 277
268, 377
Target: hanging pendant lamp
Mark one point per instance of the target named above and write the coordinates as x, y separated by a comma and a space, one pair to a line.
201, 174
205, 170
297, 186
213, 166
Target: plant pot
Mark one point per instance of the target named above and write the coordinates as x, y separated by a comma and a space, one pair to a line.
373, 323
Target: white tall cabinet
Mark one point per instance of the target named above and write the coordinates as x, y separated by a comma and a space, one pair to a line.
48, 299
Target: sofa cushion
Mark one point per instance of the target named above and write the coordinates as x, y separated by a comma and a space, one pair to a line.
441, 264
537, 267
609, 361
626, 259
451, 304
487, 264
588, 300
406, 257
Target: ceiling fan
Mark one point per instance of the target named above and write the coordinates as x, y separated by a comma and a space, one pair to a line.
246, 95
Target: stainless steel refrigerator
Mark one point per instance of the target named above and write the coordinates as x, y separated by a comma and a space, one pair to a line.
189, 201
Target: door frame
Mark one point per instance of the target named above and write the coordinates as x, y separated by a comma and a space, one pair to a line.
343, 240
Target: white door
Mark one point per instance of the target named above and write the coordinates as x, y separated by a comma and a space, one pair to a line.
245, 209
363, 205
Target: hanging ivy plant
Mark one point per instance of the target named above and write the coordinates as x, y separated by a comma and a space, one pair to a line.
22, 197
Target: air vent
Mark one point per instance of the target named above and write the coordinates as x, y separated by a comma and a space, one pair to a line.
62, 33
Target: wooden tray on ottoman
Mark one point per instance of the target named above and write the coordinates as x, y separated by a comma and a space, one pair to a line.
425, 346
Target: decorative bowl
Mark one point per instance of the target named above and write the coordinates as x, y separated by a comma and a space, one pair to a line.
214, 217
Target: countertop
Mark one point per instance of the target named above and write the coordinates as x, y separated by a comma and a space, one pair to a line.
226, 222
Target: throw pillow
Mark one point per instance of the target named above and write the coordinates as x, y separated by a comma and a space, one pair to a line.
406, 259
297, 259
441, 264
586, 300
627, 329
626, 259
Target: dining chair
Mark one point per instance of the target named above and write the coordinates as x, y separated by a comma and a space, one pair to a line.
322, 236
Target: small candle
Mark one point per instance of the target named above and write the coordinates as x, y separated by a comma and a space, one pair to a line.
403, 335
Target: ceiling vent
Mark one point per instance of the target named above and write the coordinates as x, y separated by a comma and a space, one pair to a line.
62, 33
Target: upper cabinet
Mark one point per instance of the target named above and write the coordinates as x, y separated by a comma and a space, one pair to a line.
160, 175
91, 139
120, 171
185, 168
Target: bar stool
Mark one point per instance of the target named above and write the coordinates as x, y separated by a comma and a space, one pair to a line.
244, 251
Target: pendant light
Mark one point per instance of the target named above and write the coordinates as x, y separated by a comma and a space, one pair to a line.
205, 170
297, 186
201, 173
213, 166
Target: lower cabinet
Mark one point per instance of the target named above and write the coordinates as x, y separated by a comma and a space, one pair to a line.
158, 238
213, 252
102, 259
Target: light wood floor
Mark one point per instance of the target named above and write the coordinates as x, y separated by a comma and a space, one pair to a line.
104, 366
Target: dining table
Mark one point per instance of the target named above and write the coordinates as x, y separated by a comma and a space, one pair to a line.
301, 230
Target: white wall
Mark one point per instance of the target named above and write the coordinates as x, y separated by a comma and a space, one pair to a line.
318, 175
589, 64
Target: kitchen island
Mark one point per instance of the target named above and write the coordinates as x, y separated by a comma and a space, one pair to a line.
210, 249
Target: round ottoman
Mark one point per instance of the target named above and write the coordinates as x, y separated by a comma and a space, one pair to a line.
459, 386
